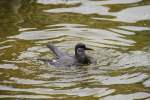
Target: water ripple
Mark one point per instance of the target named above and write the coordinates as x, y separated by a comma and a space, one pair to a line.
76, 91
138, 95
123, 79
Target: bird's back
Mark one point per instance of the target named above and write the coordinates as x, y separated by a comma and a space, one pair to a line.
62, 59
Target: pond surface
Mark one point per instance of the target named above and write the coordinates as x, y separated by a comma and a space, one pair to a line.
117, 30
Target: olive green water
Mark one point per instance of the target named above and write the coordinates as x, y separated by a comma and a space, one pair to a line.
117, 30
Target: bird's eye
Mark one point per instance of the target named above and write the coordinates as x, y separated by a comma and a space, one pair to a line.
80, 50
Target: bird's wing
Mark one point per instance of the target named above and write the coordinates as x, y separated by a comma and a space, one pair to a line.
56, 51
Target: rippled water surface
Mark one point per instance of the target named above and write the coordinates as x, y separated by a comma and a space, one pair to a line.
117, 30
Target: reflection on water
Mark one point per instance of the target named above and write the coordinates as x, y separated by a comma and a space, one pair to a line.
124, 79
69, 30
147, 83
117, 30
134, 14
138, 95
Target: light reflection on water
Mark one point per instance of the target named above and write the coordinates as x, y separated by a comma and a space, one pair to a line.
138, 95
70, 30
120, 40
124, 79
133, 14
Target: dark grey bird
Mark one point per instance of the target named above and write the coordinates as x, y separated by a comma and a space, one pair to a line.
63, 59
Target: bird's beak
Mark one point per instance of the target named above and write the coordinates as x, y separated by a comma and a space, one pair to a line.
88, 49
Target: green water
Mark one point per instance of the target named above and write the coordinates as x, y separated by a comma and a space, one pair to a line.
117, 30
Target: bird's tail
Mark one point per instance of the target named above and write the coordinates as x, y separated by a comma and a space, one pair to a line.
55, 50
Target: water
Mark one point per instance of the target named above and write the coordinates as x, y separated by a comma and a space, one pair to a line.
117, 30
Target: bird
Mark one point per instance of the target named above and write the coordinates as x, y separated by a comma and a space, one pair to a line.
64, 59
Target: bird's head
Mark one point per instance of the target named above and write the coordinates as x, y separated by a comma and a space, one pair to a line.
80, 48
